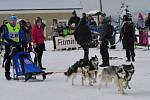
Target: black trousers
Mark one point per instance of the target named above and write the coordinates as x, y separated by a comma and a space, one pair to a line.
86, 51
8, 61
130, 53
39, 53
104, 52
8, 58
54, 43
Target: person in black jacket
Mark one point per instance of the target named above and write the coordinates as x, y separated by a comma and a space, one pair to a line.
128, 38
147, 21
3, 25
2, 40
104, 39
83, 37
74, 19
111, 31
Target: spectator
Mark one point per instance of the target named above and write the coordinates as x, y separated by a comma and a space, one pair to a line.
128, 37
24, 42
84, 18
74, 19
91, 21
147, 21
38, 42
140, 23
28, 35
43, 27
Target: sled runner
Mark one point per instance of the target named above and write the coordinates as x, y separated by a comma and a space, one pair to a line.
115, 58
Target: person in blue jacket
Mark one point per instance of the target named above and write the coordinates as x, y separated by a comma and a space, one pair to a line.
26, 40
13, 36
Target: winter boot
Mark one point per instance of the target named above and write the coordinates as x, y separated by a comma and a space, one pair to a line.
7, 75
42, 68
133, 58
105, 63
128, 59
8, 78
102, 65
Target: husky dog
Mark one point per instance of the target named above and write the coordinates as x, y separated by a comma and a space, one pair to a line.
91, 71
74, 69
120, 74
88, 70
129, 69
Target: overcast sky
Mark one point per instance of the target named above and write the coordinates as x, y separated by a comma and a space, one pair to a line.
113, 6
110, 7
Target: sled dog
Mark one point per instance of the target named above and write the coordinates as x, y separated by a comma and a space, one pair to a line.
120, 75
86, 69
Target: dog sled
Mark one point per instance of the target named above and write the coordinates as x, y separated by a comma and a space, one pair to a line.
24, 66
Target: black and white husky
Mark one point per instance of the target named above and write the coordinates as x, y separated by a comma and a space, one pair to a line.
120, 75
87, 71
129, 69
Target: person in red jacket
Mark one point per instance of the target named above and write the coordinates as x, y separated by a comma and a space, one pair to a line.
38, 42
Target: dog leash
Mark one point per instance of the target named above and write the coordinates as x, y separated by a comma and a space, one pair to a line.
12, 49
115, 43
112, 44
53, 72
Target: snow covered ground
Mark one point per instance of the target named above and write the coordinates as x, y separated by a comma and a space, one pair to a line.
55, 86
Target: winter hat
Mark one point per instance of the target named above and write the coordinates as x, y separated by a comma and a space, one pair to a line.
13, 18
